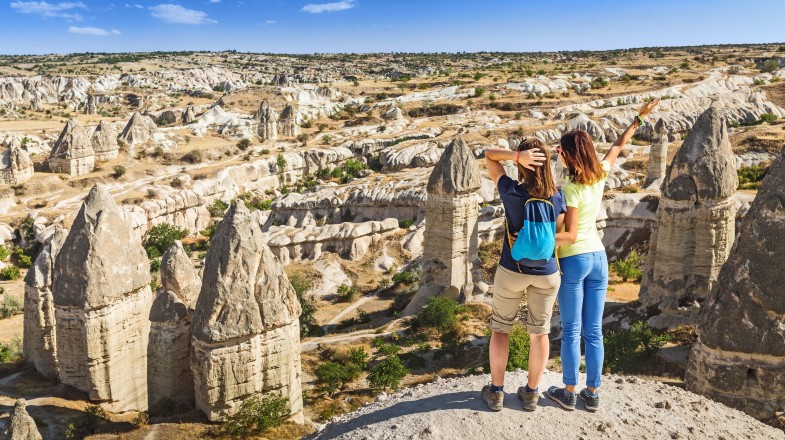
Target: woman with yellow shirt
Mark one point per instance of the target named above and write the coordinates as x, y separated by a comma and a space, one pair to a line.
583, 262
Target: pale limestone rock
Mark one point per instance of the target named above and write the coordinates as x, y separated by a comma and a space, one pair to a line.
287, 122
20, 426
73, 153
104, 141
179, 276
39, 341
658, 156
139, 130
90, 106
695, 225
16, 167
268, 122
451, 234
189, 115
102, 310
246, 333
739, 358
168, 372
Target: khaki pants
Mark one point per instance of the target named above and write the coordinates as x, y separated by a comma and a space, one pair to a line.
508, 290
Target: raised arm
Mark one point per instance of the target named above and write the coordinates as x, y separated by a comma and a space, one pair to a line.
493, 156
625, 137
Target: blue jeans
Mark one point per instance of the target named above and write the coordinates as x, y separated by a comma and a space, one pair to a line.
581, 302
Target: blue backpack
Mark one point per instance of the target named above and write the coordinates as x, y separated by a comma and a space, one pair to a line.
536, 241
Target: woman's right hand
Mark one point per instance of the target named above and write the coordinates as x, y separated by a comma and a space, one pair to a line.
531, 158
648, 107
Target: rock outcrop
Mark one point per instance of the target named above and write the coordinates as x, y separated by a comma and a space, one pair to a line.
104, 141
102, 310
73, 152
739, 358
189, 115
39, 341
139, 130
179, 276
16, 167
90, 107
20, 426
287, 122
451, 240
658, 156
268, 122
695, 225
246, 332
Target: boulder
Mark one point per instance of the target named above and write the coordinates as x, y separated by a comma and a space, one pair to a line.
102, 310
16, 167
245, 330
73, 152
20, 426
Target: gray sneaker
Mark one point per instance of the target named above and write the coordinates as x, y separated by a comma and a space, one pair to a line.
529, 399
592, 402
495, 400
563, 398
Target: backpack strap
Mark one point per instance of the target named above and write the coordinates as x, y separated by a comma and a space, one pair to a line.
509, 242
555, 249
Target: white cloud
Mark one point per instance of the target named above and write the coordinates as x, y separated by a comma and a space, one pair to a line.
318, 8
49, 10
170, 13
135, 5
92, 31
214, 1
270, 21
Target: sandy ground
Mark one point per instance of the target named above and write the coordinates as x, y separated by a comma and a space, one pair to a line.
630, 408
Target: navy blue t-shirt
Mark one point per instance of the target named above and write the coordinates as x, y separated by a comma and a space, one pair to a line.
514, 196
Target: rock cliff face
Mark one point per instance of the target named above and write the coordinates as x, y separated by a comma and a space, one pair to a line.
739, 358
139, 130
287, 122
695, 225
102, 310
268, 122
246, 333
40, 348
73, 152
20, 426
451, 234
16, 167
658, 156
90, 105
104, 141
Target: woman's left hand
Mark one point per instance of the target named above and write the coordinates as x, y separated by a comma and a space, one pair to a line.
531, 158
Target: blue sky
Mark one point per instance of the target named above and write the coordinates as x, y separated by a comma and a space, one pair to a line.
380, 26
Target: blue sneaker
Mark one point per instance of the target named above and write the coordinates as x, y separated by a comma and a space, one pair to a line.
564, 398
591, 400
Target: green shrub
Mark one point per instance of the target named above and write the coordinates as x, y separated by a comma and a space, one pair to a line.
119, 171
770, 66
192, 157
10, 306
478, 91
24, 258
10, 273
346, 292
599, 83
387, 374
243, 144
519, 349
388, 349
768, 118
281, 162
352, 168
155, 265
359, 357
218, 208
209, 231
308, 325
334, 376
257, 414
750, 177
628, 268
407, 277
4, 252
405, 223
158, 239
440, 313
87, 423
627, 350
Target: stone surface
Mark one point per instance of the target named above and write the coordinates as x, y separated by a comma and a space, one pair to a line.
189, 115
20, 426
268, 122
73, 152
39, 340
104, 141
739, 358
16, 167
287, 122
179, 276
695, 225
451, 232
90, 105
658, 156
139, 130
246, 335
169, 375
102, 310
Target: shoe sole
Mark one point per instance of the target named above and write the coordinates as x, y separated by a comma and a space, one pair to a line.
562, 404
586, 404
527, 408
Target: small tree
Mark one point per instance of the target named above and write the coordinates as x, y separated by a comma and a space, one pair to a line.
358, 356
770, 66
10, 273
10, 306
387, 374
627, 350
158, 239
334, 376
244, 144
440, 312
119, 171
628, 268
257, 414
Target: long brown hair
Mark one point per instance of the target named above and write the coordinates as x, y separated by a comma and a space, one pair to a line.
538, 183
581, 158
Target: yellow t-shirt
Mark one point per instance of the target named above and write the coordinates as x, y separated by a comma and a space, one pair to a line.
588, 200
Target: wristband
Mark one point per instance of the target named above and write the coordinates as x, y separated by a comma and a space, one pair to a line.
641, 121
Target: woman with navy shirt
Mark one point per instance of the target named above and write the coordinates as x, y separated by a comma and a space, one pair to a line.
514, 279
